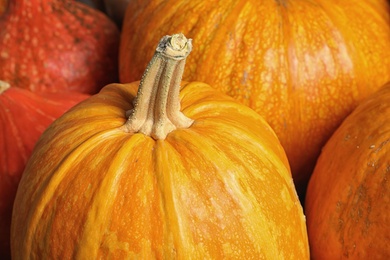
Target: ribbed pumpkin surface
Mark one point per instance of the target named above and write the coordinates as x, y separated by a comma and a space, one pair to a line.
218, 189
303, 65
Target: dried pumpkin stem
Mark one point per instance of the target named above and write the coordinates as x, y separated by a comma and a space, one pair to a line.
156, 109
4, 86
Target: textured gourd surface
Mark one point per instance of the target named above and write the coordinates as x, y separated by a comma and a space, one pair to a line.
303, 65
24, 116
220, 188
57, 45
348, 197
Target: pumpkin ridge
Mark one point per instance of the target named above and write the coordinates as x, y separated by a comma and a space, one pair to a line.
187, 143
228, 20
205, 93
244, 52
39, 198
214, 108
215, 143
108, 187
32, 104
165, 174
8, 116
242, 134
136, 206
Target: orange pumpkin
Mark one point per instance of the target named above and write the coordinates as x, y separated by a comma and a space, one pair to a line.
303, 65
208, 181
348, 197
24, 116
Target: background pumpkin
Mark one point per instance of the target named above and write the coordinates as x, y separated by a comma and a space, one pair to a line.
303, 65
24, 116
348, 197
50, 44
218, 187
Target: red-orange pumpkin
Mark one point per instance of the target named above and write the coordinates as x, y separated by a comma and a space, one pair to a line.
57, 45
210, 182
303, 65
348, 197
24, 116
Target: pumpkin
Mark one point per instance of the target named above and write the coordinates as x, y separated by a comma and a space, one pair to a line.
165, 171
57, 45
303, 65
348, 196
24, 115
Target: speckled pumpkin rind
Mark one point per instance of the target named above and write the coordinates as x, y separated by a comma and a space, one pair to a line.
221, 188
303, 65
57, 45
348, 198
24, 116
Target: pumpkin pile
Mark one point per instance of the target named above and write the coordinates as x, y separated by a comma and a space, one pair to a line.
53, 54
166, 129
24, 115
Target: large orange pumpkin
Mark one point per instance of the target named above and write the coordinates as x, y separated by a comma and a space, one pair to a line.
24, 116
210, 182
303, 65
348, 197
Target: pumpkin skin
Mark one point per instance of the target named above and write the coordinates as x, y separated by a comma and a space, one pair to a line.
24, 116
221, 188
303, 65
348, 196
57, 45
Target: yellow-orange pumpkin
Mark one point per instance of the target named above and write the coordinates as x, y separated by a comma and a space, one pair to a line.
303, 65
210, 182
348, 197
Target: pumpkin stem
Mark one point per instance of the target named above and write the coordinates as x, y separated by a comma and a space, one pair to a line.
4, 86
156, 110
